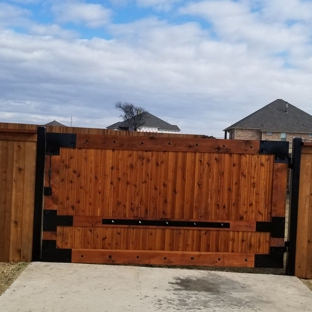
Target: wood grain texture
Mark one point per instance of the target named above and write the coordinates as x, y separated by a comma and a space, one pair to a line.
17, 200
28, 201
168, 185
102, 183
8, 174
95, 221
52, 179
49, 235
17, 167
303, 264
162, 258
306, 147
17, 136
5, 172
158, 238
16, 221
27, 128
135, 175
280, 174
173, 144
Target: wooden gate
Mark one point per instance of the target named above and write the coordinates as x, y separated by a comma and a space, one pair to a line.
162, 200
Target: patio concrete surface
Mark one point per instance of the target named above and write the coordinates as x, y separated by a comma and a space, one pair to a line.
83, 287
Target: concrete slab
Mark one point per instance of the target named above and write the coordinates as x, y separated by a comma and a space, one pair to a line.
82, 287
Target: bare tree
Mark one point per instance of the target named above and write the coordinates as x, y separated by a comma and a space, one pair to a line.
132, 115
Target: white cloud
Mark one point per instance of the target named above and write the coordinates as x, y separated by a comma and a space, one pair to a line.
159, 5
265, 31
11, 15
24, 1
164, 5
91, 15
293, 10
52, 31
180, 73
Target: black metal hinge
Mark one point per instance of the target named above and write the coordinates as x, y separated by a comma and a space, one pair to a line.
51, 220
280, 150
274, 260
276, 227
50, 253
57, 140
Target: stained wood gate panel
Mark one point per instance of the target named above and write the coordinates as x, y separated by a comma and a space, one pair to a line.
170, 201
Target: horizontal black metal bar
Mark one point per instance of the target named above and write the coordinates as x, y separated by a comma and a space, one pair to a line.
276, 227
50, 253
51, 220
57, 140
280, 149
136, 222
274, 260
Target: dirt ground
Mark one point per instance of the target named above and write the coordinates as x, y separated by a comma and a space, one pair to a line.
307, 283
10, 271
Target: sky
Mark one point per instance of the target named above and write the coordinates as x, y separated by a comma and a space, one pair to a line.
201, 65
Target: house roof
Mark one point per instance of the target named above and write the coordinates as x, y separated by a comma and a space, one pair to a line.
150, 121
55, 124
278, 116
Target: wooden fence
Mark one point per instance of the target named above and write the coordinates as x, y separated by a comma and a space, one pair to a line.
17, 169
17, 184
303, 259
170, 201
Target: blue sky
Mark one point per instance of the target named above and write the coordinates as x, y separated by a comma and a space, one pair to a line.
201, 65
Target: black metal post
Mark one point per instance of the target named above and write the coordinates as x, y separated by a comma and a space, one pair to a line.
293, 205
39, 189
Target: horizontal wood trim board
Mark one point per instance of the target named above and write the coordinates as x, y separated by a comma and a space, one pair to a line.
12, 136
163, 258
31, 131
173, 144
243, 226
7, 127
46, 235
309, 144
307, 149
157, 239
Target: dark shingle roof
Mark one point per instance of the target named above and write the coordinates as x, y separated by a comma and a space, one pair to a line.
150, 121
278, 116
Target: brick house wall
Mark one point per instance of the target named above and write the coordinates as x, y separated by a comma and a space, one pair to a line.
245, 134
242, 134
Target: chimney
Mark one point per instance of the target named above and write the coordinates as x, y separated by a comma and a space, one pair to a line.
286, 108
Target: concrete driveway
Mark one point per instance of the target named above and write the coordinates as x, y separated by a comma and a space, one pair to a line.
82, 287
